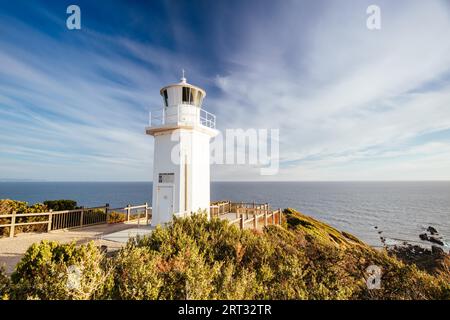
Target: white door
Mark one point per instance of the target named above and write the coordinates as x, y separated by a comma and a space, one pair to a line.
165, 204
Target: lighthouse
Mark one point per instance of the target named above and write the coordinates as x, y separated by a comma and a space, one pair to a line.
182, 131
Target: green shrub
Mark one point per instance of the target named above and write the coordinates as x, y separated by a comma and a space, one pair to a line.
136, 275
5, 285
62, 271
234, 283
116, 217
61, 205
8, 206
197, 258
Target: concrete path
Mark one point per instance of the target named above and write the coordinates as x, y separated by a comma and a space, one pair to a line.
112, 235
124, 235
228, 216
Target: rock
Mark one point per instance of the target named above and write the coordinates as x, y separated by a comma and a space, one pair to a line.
424, 237
435, 240
432, 239
432, 230
437, 250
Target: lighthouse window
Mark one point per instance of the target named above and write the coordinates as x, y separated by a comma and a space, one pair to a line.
187, 95
198, 100
186, 92
166, 98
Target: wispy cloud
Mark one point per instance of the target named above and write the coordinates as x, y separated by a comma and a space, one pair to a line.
337, 88
79, 109
350, 103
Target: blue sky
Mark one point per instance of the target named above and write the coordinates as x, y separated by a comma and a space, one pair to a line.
350, 103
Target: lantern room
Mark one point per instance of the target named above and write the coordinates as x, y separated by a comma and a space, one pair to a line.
182, 93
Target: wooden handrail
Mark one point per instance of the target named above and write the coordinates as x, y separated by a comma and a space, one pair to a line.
248, 215
67, 219
143, 206
37, 214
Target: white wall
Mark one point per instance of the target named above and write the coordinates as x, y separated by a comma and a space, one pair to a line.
195, 145
163, 164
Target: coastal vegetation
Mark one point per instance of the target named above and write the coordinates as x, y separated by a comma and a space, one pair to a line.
8, 206
116, 217
59, 205
197, 258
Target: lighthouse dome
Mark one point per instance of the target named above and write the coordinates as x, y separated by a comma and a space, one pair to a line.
182, 93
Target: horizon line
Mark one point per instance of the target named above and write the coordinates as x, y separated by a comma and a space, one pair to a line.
146, 181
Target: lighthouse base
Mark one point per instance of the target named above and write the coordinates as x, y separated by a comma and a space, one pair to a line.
181, 174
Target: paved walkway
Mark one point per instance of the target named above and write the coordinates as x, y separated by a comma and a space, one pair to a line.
112, 235
124, 235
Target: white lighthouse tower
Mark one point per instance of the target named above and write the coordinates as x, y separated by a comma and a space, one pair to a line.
182, 132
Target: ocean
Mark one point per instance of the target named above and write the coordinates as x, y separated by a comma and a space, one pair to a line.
401, 210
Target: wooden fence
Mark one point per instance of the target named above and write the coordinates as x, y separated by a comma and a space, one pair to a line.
218, 208
247, 212
70, 219
267, 216
134, 212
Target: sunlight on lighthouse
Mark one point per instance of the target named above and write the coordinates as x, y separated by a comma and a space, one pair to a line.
181, 170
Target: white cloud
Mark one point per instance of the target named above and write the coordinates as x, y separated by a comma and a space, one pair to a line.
337, 88
349, 102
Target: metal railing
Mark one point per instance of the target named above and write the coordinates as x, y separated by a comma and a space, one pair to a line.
182, 114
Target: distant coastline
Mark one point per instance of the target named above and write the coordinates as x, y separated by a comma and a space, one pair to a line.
21, 180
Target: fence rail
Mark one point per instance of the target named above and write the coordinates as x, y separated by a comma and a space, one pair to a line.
268, 217
218, 208
246, 213
77, 218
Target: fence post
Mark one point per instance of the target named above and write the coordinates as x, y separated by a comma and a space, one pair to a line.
107, 212
146, 213
242, 222
128, 212
139, 219
50, 220
13, 223
265, 218
279, 216
150, 213
255, 222
81, 216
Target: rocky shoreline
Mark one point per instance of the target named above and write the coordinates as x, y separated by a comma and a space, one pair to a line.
432, 237
434, 260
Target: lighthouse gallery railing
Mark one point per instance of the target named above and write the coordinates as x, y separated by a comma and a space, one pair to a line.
186, 114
